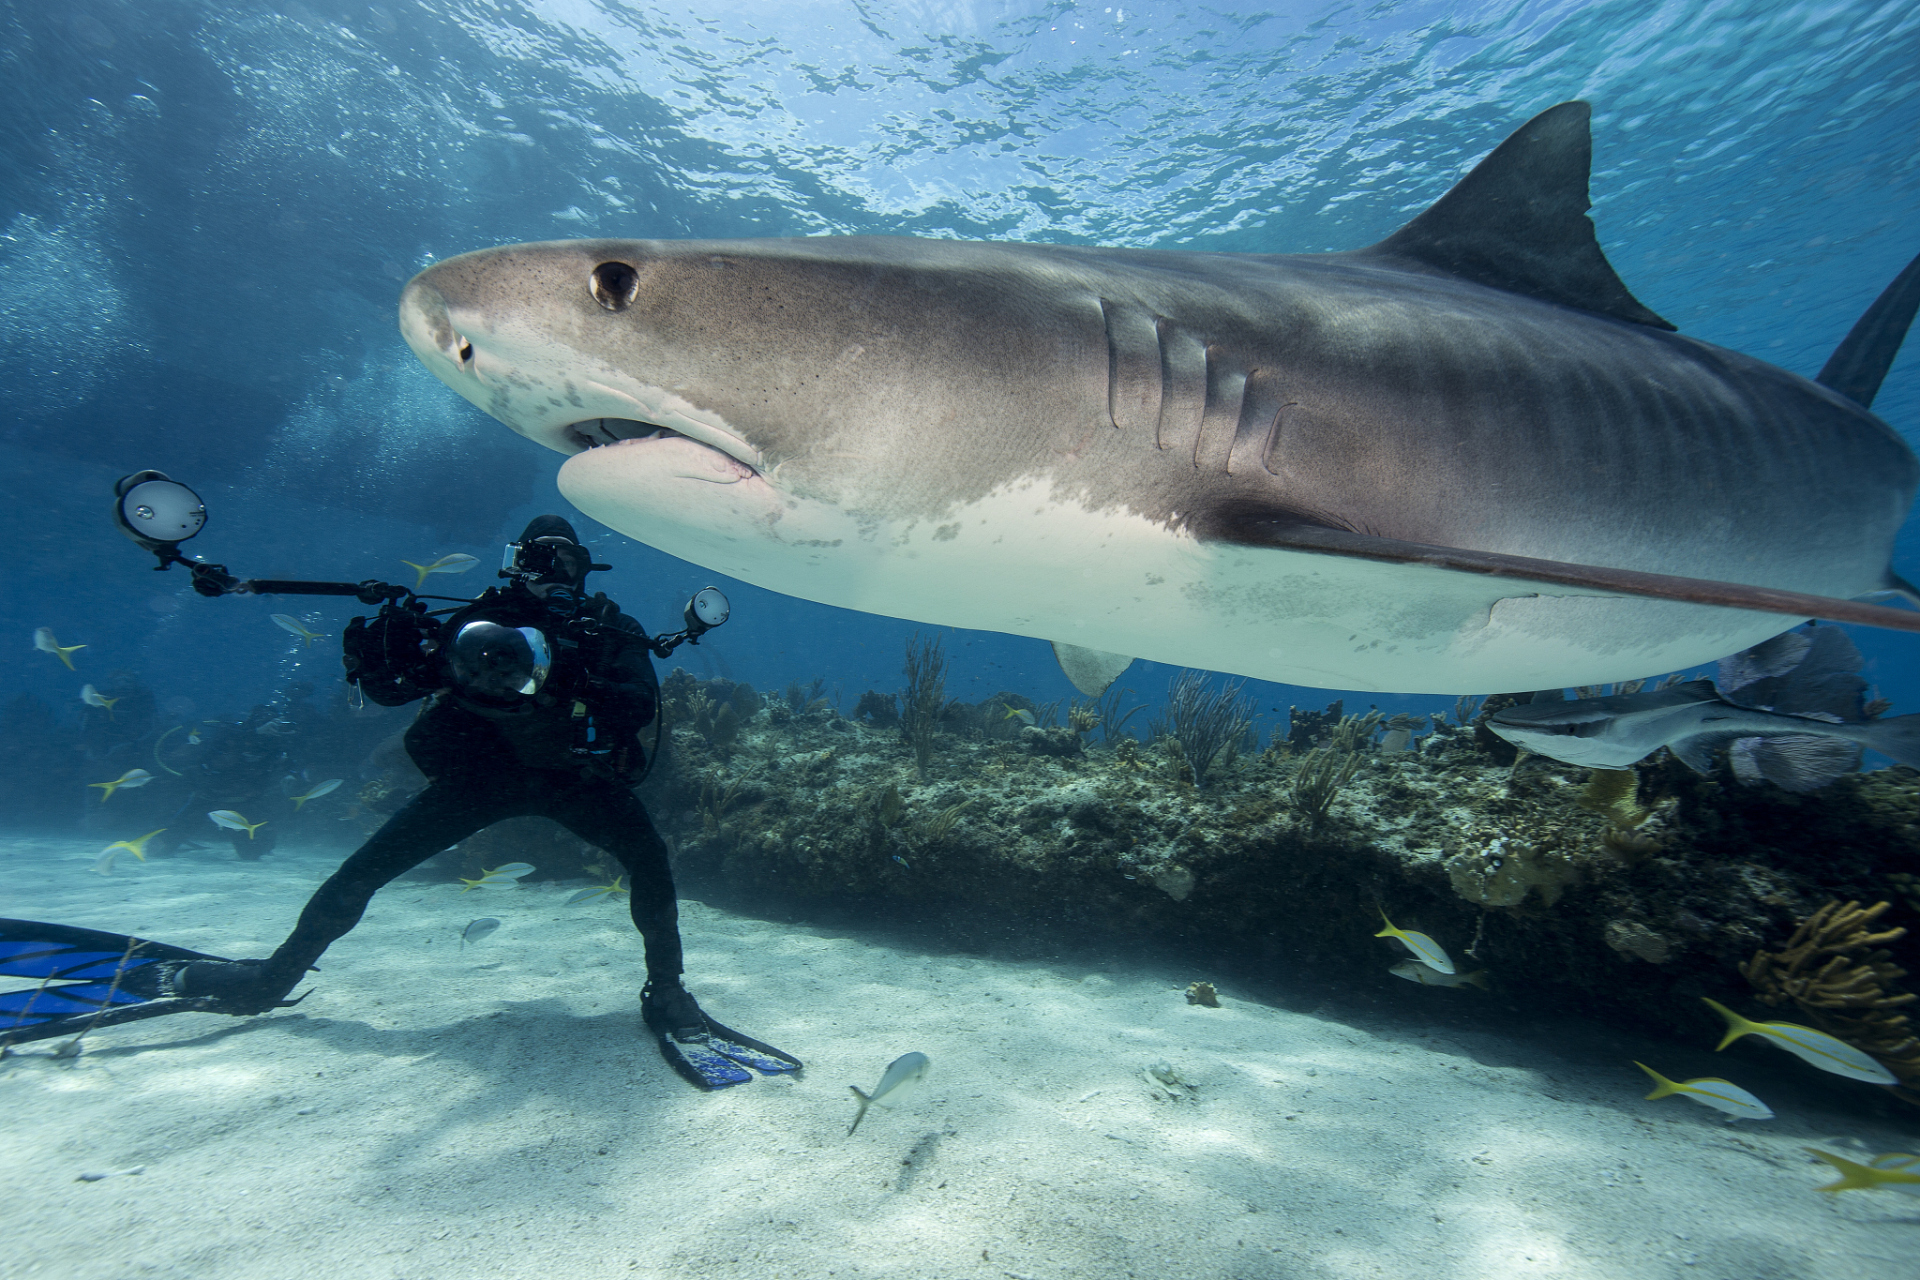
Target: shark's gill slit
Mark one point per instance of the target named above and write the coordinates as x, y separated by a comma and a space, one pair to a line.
1220, 418
1270, 455
1183, 386
1253, 435
1133, 366
614, 285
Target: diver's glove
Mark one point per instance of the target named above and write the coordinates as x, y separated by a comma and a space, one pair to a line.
239, 987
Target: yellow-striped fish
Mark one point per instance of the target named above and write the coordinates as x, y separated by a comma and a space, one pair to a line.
46, 642
326, 788
1824, 1051
602, 890
1414, 971
233, 821
458, 562
1710, 1091
287, 622
94, 698
130, 779
1895, 1171
136, 847
1425, 949
509, 874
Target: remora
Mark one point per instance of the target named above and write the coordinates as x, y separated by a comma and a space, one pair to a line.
1463, 459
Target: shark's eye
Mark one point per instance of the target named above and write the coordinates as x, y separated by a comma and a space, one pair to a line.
464, 350
614, 284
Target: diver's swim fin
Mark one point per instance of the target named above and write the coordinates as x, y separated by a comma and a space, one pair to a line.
88, 979
711, 1055
747, 1051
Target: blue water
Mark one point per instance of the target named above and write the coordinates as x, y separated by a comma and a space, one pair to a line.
209, 209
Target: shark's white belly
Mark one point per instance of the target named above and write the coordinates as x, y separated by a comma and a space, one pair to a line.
1024, 561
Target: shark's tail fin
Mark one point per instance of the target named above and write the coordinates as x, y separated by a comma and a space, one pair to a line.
1863, 357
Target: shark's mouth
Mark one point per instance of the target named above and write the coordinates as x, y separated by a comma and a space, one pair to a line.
596, 433
601, 433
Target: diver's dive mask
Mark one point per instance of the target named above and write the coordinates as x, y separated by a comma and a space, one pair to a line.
500, 664
548, 559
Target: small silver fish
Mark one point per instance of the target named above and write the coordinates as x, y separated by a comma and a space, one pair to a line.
906, 1071
477, 930
902, 861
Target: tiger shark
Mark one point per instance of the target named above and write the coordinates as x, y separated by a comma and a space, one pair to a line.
1463, 459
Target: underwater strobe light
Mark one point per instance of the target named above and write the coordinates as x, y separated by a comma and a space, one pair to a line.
707, 610
157, 513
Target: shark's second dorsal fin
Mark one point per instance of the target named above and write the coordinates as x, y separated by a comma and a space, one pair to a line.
1860, 363
1519, 222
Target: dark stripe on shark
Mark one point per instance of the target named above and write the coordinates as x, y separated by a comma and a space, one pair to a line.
1252, 525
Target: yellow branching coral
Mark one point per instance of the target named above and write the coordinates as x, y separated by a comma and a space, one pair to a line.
1836, 970
1614, 795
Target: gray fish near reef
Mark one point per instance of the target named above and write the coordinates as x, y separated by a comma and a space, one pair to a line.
1426, 976
477, 930
1789, 708
1463, 458
903, 1073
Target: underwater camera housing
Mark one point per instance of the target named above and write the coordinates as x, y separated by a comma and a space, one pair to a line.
537, 558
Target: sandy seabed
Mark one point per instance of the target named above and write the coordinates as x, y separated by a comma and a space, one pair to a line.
434, 1112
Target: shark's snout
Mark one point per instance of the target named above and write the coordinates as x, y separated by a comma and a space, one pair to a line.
425, 325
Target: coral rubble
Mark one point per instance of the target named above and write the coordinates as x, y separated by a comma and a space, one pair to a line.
1628, 893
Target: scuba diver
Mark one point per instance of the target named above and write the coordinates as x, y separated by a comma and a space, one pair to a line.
536, 699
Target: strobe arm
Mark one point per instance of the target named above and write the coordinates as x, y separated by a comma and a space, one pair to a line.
214, 580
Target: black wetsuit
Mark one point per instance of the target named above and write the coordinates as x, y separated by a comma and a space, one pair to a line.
485, 763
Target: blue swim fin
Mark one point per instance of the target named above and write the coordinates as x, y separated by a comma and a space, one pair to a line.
707, 1054
88, 979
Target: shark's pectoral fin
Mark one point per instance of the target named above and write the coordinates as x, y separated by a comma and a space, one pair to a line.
1290, 533
1091, 670
1519, 222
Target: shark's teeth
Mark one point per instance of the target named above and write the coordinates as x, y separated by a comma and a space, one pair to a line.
595, 432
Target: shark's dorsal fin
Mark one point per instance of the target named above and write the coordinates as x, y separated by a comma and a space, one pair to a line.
1519, 222
1863, 357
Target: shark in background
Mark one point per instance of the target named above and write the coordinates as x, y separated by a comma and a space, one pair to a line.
1463, 459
